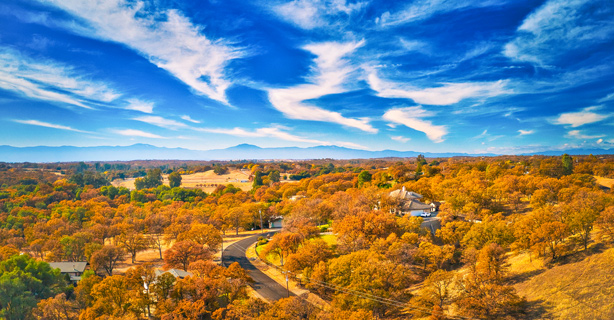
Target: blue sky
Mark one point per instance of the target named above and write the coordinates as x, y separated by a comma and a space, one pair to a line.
427, 75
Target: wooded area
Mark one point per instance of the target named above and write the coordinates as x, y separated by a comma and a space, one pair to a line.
384, 265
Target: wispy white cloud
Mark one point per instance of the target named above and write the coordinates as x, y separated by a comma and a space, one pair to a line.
609, 97
448, 93
400, 139
49, 125
559, 26
137, 133
50, 81
188, 118
140, 105
481, 135
167, 38
576, 119
310, 14
525, 132
161, 122
577, 134
411, 117
424, 9
329, 73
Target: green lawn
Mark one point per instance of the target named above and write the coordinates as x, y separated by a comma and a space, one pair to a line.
330, 239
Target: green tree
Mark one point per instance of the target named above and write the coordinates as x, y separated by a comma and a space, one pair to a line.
23, 280
274, 176
151, 180
257, 179
567, 161
363, 177
174, 179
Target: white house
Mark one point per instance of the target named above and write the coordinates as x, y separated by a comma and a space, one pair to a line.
276, 222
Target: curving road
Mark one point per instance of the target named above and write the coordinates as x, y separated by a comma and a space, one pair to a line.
265, 286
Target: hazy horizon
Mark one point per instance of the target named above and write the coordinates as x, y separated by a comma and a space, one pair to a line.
501, 77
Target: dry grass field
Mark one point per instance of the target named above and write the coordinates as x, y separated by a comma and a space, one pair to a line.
606, 182
579, 289
206, 181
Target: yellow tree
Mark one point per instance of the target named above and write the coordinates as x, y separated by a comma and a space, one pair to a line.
203, 234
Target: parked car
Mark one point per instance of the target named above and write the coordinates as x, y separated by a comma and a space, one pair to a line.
425, 214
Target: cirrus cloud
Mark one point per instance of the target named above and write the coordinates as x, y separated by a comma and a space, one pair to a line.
329, 73
411, 117
576, 119
448, 93
137, 133
166, 38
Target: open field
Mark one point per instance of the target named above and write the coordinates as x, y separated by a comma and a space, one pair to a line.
206, 181
582, 289
606, 182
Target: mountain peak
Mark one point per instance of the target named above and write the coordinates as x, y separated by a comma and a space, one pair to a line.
245, 146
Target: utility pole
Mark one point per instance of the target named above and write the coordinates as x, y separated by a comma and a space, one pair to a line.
222, 254
287, 286
261, 228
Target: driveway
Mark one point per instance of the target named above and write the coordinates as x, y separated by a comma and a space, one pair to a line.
265, 286
432, 223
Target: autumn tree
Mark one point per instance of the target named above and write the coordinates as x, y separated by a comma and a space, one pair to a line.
203, 234
605, 225
550, 235
582, 212
83, 292
436, 292
133, 242
453, 232
56, 308
111, 297
107, 258
434, 256
182, 253
241, 309
369, 273
282, 244
291, 308
236, 283
358, 231
482, 292
308, 255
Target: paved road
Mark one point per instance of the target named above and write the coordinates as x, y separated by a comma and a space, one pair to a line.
264, 285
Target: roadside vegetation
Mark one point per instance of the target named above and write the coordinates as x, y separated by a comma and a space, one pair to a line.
519, 238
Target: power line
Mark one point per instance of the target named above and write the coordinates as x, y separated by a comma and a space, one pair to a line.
365, 295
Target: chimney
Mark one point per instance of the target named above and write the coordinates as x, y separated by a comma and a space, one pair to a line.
403, 190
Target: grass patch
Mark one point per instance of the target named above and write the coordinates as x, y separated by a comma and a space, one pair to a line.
274, 259
330, 239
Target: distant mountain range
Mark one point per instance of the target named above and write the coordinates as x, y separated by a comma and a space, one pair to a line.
239, 152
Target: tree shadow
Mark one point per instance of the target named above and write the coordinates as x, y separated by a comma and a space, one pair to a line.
538, 309
524, 276
578, 256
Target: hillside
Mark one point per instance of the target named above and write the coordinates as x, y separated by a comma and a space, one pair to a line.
582, 289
